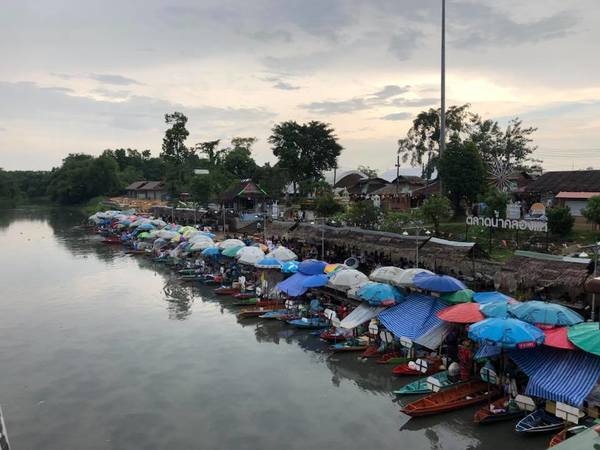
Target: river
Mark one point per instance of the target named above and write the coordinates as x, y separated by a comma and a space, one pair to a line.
99, 350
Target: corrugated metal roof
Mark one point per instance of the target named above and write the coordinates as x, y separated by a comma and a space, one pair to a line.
577, 195
135, 185
363, 313
152, 186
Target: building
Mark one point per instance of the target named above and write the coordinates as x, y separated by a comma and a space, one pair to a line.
246, 195
146, 190
366, 186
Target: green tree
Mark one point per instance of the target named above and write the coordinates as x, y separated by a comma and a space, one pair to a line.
326, 205
174, 152
371, 173
364, 214
435, 209
462, 172
495, 201
238, 160
211, 151
560, 220
201, 189
592, 210
305, 150
273, 179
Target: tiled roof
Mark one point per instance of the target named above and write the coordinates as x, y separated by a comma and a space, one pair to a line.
566, 181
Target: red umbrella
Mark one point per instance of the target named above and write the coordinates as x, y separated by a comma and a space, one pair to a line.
462, 313
557, 338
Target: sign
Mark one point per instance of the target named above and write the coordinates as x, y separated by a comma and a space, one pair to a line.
508, 224
201, 172
537, 209
513, 211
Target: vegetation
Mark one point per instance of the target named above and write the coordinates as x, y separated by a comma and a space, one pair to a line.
364, 214
592, 210
326, 205
436, 209
560, 220
495, 201
371, 173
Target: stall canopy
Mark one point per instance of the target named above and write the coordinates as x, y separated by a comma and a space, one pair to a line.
548, 368
363, 313
433, 338
293, 286
414, 317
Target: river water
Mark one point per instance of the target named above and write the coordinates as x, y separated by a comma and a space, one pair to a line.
99, 350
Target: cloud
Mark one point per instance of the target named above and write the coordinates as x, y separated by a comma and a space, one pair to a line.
391, 91
397, 116
414, 102
113, 79
272, 36
286, 86
404, 43
339, 107
109, 93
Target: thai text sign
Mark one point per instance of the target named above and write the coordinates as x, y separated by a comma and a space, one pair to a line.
508, 224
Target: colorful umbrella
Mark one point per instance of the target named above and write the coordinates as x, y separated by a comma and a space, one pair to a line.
378, 293
386, 274
311, 267
438, 283
249, 255
268, 263
545, 313
558, 338
508, 333
146, 226
144, 235
406, 278
232, 251
329, 268
462, 296
461, 313
494, 309
314, 281
491, 296
210, 251
343, 280
283, 254
288, 266
231, 243
586, 336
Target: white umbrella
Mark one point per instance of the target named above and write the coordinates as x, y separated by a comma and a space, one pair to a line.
283, 254
229, 243
250, 255
199, 237
166, 234
407, 276
158, 223
353, 292
386, 274
201, 245
342, 280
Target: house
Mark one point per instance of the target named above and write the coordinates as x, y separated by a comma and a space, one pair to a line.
245, 195
407, 183
366, 186
146, 190
349, 179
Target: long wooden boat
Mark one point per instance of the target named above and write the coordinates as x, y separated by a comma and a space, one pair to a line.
332, 335
497, 411
112, 240
565, 434
347, 347
310, 324
392, 358
421, 386
245, 295
403, 370
135, 252
539, 421
275, 314
255, 312
188, 271
191, 278
257, 303
226, 290
371, 351
459, 396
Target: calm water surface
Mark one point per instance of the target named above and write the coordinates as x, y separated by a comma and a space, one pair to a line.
99, 350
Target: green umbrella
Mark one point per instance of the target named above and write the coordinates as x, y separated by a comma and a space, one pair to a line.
462, 296
586, 336
144, 235
232, 251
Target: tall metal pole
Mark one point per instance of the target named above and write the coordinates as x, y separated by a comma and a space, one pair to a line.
443, 87
323, 240
593, 315
418, 232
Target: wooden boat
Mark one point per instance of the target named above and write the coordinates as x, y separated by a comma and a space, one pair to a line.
459, 396
255, 312
421, 386
226, 290
371, 351
312, 323
245, 295
188, 271
257, 302
275, 314
403, 370
498, 411
135, 252
392, 358
112, 240
565, 434
332, 335
539, 421
350, 346
191, 278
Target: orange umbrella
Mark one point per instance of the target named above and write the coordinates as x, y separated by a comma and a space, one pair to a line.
461, 313
558, 338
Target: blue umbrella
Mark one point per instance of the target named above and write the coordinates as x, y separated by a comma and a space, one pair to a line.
290, 267
268, 263
376, 293
210, 251
312, 267
210, 235
146, 226
536, 311
488, 297
292, 286
495, 309
507, 333
314, 281
438, 283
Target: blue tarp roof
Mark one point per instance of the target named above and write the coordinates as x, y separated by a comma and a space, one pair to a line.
414, 317
561, 375
292, 286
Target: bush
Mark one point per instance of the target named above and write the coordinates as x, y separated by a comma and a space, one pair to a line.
560, 220
592, 210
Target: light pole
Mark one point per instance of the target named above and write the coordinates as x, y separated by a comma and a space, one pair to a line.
418, 232
443, 83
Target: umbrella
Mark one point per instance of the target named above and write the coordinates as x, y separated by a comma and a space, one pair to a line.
329, 268
494, 309
558, 338
461, 313
508, 333
438, 283
230, 243
288, 266
377, 293
268, 263
232, 251
146, 226
462, 296
314, 281
311, 267
343, 280
386, 274
491, 296
166, 234
201, 245
283, 254
406, 278
586, 336
353, 292
249, 255
158, 223
210, 251
144, 235
546, 313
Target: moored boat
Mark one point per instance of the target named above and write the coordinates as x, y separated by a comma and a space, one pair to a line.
565, 434
459, 396
245, 295
371, 352
498, 411
311, 323
112, 240
333, 335
404, 370
352, 345
539, 421
392, 358
226, 290
421, 386
255, 312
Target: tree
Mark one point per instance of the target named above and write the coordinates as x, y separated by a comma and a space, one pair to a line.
592, 210
364, 214
238, 160
174, 152
371, 173
201, 188
495, 201
326, 205
462, 172
435, 209
421, 146
212, 152
560, 220
305, 150
273, 179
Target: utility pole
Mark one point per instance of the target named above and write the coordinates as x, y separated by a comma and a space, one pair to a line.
398, 174
443, 87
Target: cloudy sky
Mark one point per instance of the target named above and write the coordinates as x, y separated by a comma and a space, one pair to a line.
82, 76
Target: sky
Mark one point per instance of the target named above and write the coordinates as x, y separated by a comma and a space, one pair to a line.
84, 76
